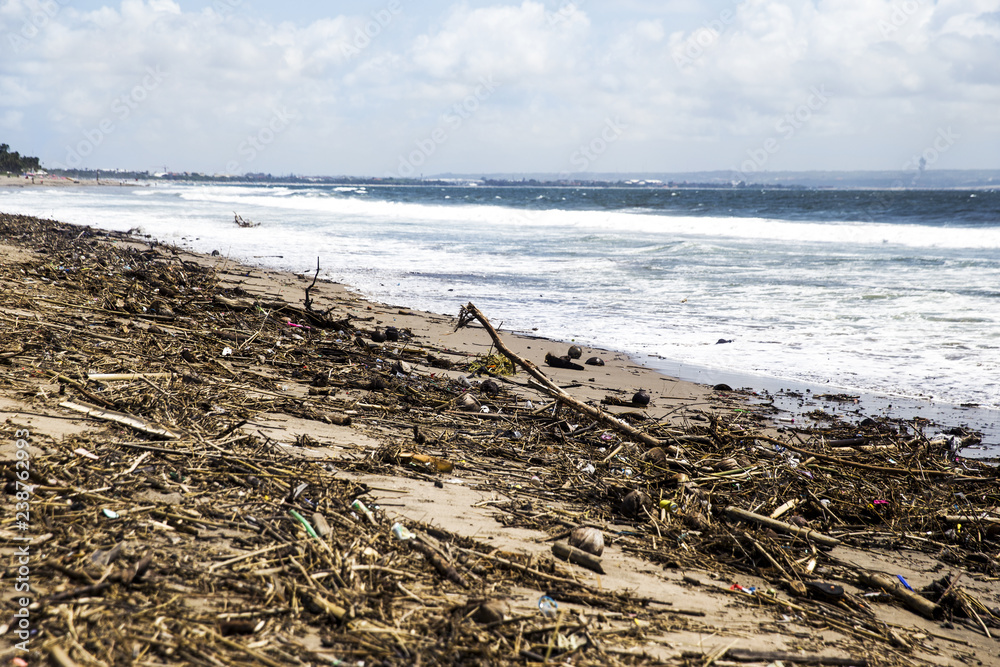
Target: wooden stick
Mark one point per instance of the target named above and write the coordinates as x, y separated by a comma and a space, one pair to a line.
578, 556
61, 657
137, 423
125, 376
966, 518
746, 655
528, 570
913, 601
812, 535
855, 464
558, 393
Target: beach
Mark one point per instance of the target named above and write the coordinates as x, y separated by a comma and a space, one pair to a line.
789, 293
208, 418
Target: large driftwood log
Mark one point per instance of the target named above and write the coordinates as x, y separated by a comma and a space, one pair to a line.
470, 312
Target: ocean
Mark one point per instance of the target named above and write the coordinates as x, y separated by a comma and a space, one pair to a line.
863, 292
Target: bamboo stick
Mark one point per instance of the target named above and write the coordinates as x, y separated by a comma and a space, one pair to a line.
812, 535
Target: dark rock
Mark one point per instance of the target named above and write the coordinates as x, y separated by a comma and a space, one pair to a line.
640, 398
635, 503
561, 362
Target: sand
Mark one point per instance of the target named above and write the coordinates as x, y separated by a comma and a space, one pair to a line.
717, 617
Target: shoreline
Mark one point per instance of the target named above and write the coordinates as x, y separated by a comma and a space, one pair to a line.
792, 398
430, 182
223, 417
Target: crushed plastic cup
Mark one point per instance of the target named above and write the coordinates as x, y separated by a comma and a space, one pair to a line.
401, 532
547, 606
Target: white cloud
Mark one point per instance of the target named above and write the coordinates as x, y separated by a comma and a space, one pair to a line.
697, 85
502, 41
11, 120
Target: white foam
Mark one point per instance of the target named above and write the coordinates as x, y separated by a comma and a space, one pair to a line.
899, 309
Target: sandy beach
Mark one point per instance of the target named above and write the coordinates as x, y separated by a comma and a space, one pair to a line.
218, 468
49, 180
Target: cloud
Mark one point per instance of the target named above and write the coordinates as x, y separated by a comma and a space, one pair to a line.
508, 42
696, 85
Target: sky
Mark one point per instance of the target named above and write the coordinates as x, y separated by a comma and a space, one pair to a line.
395, 88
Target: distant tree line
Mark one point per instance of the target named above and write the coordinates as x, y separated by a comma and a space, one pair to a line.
15, 162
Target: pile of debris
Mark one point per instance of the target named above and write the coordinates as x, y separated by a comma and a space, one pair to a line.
180, 534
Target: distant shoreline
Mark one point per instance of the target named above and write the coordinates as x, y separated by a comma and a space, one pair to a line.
123, 179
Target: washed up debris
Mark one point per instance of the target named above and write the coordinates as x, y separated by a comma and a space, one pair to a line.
587, 538
562, 362
240, 222
181, 498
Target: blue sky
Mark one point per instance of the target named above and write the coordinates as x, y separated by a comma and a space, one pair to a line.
390, 87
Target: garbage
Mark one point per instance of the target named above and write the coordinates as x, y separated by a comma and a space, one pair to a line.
587, 538
824, 590
360, 508
182, 453
401, 532
547, 606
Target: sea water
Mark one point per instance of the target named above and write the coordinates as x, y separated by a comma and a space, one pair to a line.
883, 292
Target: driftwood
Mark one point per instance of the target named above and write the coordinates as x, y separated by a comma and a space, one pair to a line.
469, 312
914, 601
812, 535
308, 302
444, 568
241, 222
577, 556
746, 655
137, 423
